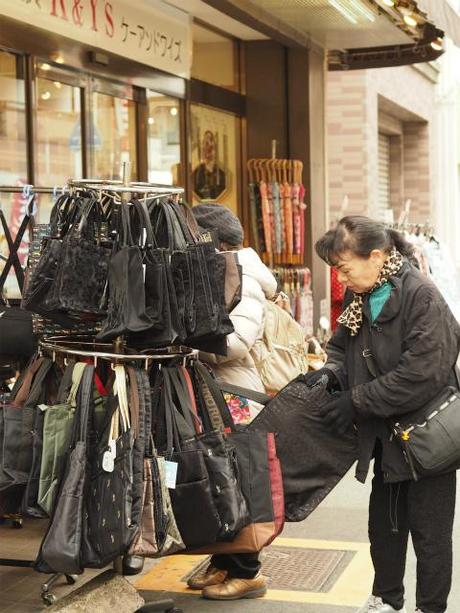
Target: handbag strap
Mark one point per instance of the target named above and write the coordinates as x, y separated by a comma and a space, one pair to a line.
189, 384
134, 400
172, 434
23, 392
77, 374
185, 403
259, 397
216, 406
84, 403
65, 383
120, 390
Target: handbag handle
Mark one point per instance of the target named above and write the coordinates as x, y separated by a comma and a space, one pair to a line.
189, 384
24, 390
185, 403
145, 224
77, 375
120, 390
134, 401
217, 397
84, 404
172, 433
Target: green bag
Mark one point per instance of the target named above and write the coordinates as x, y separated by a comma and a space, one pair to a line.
57, 431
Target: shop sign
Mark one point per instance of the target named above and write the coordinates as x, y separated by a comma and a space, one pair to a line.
158, 37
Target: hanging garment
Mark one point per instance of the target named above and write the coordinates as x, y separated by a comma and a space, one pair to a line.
303, 208
313, 458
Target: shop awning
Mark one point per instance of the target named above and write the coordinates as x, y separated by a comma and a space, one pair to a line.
443, 16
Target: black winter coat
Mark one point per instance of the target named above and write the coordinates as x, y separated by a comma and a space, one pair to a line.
415, 342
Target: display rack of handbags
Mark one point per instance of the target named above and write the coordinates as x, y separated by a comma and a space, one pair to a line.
133, 453
149, 274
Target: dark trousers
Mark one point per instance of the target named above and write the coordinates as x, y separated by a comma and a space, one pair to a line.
240, 565
425, 509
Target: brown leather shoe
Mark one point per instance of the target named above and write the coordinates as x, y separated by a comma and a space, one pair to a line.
234, 589
211, 576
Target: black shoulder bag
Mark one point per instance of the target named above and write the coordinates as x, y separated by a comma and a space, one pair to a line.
430, 436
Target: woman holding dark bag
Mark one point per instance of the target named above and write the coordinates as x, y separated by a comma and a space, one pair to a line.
234, 576
394, 351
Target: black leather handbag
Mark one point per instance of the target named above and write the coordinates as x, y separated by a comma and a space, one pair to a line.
17, 340
82, 255
192, 500
220, 459
126, 312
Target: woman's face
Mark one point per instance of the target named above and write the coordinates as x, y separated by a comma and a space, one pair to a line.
360, 274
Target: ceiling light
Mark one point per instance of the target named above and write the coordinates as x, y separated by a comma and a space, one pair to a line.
46, 95
437, 44
389, 3
173, 111
45, 66
151, 120
410, 20
343, 10
59, 59
57, 84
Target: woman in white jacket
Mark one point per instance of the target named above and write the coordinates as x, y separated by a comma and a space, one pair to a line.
230, 577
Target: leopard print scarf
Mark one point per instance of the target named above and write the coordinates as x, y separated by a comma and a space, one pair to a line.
352, 317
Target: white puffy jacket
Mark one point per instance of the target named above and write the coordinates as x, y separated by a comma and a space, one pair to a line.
248, 319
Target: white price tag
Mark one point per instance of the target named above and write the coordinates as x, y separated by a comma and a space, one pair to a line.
107, 462
171, 474
108, 459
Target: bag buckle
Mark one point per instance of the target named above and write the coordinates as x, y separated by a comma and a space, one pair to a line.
367, 353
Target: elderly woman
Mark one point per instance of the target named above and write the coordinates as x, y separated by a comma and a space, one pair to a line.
396, 312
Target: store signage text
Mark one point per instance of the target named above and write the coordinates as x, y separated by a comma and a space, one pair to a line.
127, 28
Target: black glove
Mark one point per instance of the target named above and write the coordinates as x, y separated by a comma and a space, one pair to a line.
339, 413
313, 377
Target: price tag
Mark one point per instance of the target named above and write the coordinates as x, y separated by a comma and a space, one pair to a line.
108, 459
107, 462
171, 474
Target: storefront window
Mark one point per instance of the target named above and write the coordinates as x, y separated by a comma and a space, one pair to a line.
112, 139
13, 155
215, 58
214, 156
163, 139
58, 154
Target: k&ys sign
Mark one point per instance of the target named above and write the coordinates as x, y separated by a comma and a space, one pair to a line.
134, 29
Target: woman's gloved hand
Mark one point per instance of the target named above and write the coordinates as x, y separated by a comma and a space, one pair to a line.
313, 377
339, 413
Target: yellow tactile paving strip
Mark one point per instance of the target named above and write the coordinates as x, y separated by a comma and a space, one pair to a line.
351, 588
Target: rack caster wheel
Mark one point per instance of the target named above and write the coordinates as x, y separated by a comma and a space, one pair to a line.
71, 579
49, 599
17, 524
